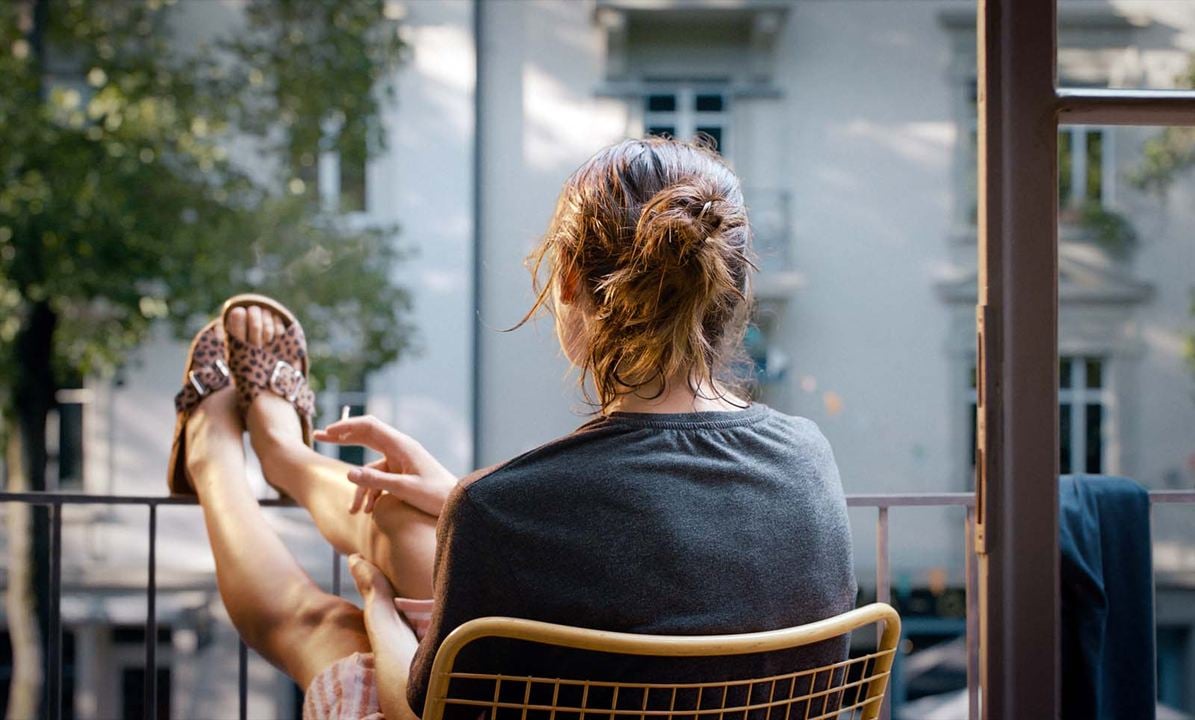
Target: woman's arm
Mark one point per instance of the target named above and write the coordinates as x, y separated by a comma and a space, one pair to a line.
393, 642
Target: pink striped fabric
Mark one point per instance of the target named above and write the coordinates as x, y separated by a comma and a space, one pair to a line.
348, 689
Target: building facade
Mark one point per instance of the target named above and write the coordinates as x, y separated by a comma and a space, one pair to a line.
853, 128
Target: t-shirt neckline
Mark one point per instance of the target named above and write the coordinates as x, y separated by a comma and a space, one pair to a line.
704, 419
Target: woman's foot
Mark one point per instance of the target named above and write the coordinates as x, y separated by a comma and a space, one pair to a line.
273, 421
205, 374
214, 427
268, 414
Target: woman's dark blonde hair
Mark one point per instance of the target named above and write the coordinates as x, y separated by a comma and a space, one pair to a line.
655, 234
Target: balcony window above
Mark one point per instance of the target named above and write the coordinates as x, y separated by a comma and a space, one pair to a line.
688, 111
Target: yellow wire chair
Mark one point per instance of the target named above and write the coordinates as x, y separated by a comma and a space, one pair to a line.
848, 689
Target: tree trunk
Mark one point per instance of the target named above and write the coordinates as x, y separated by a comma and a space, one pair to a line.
28, 596
24, 691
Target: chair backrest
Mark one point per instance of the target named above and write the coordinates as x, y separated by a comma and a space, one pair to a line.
848, 689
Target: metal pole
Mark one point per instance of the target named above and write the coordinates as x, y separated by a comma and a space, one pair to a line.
151, 620
335, 573
1017, 465
243, 680
1098, 106
883, 583
54, 640
971, 601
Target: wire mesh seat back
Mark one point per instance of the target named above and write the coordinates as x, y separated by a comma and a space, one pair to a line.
852, 688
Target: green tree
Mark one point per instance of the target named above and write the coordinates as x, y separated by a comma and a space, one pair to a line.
121, 205
1168, 155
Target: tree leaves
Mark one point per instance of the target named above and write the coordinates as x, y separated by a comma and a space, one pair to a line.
120, 203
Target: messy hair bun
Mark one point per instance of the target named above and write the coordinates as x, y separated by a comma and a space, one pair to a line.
656, 232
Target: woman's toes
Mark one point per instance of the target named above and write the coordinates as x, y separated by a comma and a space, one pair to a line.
255, 325
238, 321
267, 327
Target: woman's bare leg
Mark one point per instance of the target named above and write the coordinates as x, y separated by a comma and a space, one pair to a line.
396, 537
279, 611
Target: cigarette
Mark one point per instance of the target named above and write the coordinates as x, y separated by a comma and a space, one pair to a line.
345, 412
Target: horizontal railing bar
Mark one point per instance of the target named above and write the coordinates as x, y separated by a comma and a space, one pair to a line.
1163, 497
958, 499
1102, 106
57, 498
910, 499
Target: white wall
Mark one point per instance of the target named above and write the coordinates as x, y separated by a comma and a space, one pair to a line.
541, 67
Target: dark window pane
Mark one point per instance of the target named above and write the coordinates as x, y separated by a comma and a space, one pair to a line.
1094, 462
352, 173
132, 693
712, 134
711, 102
1064, 168
1095, 166
661, 103
662, 130
1064, 373
1095, 373
70, 445
1064, 439
352, 454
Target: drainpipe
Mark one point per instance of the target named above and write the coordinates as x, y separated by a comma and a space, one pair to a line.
477, 359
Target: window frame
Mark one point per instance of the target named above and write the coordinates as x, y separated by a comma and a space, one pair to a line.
686, 119
1016, 528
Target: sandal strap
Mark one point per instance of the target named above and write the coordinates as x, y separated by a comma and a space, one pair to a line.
207, 372
202, 381
265, 368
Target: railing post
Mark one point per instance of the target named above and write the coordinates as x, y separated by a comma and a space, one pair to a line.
971, 602
54, 641
335, 573
151, 620
242, 680
883, 584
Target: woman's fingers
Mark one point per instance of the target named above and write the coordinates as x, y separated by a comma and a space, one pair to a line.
369, 578
371, 499
375, 478
358, 499
426, 495
368, 431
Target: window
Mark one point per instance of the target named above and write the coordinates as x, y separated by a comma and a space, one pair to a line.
64, 437
685, 112
1083, 401
1086, 170
1081, 168
335, 173
128, 642
1082, 415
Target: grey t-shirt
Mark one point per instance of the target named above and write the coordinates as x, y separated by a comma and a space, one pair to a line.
691, 523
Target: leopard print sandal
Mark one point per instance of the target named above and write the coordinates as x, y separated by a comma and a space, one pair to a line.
206, 372
279, 366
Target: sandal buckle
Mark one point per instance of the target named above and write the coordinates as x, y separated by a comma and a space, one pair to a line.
193, 377
296, 378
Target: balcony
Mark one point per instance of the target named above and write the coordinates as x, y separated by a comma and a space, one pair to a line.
883, 504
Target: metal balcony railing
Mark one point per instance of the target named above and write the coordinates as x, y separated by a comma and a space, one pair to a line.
883, 503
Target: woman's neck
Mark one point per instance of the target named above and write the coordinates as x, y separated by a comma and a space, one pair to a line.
678, 397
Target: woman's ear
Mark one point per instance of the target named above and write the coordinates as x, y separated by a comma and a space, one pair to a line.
570, 286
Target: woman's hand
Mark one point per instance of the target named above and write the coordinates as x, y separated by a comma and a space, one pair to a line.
392, 641
406, 470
